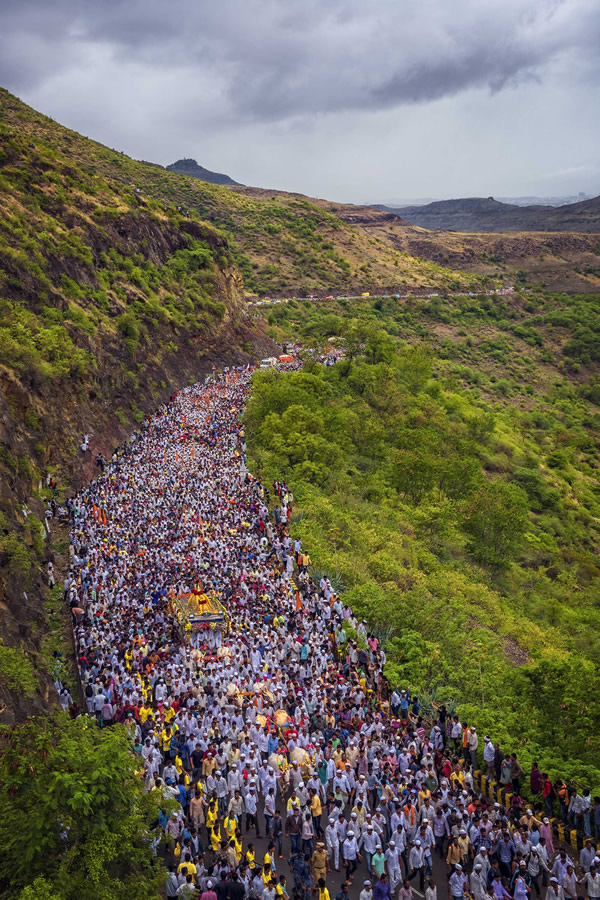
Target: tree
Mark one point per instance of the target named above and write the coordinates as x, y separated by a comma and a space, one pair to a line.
75, 820
496, 521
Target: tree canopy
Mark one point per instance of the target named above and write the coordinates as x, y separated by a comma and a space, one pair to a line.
74, 818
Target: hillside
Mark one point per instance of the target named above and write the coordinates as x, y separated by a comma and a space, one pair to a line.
282, 243
560, 261
445, 475
487, 214
190, 167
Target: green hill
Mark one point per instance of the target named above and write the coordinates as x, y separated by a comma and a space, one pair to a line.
282, 243
445, 474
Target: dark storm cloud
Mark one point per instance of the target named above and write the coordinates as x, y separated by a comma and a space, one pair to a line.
274, 59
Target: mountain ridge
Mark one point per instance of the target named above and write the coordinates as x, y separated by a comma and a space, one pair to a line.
485, 214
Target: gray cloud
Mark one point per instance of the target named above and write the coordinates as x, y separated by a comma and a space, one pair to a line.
332, 97
296, 57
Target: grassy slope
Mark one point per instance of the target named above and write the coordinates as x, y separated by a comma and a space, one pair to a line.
284, 243
509, 646
552, 260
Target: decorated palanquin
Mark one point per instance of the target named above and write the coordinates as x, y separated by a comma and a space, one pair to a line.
199, 611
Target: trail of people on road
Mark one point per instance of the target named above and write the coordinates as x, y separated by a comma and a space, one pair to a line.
288, 754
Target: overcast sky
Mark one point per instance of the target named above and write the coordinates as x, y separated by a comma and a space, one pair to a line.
358, 100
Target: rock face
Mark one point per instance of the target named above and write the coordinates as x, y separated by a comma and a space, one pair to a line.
487, 214
191, 167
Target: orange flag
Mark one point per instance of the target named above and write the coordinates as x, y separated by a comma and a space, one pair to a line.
298, 600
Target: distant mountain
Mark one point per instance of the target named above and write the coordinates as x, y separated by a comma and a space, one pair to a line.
481, 214
191, 167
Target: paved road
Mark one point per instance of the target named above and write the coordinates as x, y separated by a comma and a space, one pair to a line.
335, 879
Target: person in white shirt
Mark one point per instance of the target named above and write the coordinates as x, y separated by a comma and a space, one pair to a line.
370, 840
489, 754
332, 841
591, 880
351, 855
478, 882
367, 891
417, 864
392, 861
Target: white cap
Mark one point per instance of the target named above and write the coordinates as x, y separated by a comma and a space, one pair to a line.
477, 866
417, 843
458, 867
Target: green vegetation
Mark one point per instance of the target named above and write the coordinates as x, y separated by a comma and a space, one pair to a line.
55, 772
16, 670
282, 243
87, 264
446, 475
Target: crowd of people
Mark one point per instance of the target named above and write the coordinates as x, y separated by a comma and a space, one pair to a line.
288, 755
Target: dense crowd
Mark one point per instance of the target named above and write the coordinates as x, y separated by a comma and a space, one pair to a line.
288, 755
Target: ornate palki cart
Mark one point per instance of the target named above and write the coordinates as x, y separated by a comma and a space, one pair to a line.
201, 617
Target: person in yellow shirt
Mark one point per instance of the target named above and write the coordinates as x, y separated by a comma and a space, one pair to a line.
143, 713
230, 824
165, 738
457, 776
250, 857
211, 813
215, 837
424, 795
316, 810
237, 843
323, 892
189, 865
